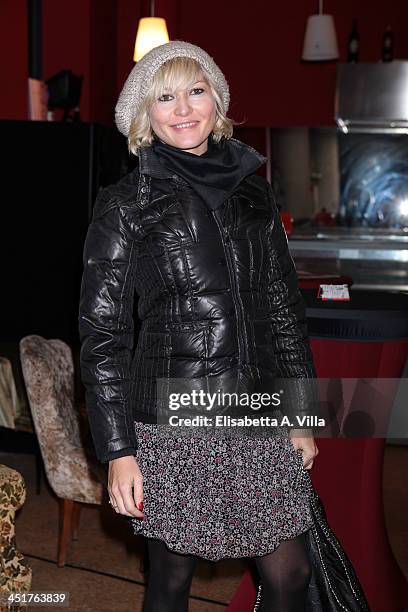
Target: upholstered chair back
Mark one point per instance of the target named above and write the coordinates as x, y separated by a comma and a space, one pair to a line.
48, 372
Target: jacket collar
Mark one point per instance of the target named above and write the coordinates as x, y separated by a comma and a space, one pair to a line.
149, 162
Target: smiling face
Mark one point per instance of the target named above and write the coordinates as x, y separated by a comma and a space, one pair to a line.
185, 116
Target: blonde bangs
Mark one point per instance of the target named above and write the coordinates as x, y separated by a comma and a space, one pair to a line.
178, 73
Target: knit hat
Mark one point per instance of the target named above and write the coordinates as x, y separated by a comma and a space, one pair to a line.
141, 76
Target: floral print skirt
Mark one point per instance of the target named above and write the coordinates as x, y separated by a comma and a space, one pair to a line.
218, 496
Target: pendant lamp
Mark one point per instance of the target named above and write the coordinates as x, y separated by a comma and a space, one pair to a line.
320, 43
152, 32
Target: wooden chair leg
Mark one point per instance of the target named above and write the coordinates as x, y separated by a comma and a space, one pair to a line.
76, 514
66, 507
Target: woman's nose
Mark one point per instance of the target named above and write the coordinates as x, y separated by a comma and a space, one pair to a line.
182, 106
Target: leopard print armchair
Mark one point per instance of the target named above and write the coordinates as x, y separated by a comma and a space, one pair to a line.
15, 574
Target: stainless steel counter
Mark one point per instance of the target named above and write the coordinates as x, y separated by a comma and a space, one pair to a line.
375, 259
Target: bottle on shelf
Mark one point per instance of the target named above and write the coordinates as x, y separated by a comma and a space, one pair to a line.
353, 43
387, 45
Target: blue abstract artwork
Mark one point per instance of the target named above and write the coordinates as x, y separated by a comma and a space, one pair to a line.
374, 180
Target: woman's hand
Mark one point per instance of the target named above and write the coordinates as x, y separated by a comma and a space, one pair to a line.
307, 445
124, 473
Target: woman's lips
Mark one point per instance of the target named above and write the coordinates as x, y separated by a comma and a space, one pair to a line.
186, 125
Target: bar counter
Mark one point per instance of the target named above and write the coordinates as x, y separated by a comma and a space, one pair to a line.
373, 258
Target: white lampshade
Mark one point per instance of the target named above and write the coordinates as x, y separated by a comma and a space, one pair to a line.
320, 39
152, 32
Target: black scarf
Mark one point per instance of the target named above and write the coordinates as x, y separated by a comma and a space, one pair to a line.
215, 174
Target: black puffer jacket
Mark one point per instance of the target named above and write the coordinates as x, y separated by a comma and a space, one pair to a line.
217, 295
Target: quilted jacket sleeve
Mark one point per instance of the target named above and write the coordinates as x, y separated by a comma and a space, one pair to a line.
106, 328
293, 356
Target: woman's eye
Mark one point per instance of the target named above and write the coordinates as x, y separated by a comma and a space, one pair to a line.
198, 89
165, 98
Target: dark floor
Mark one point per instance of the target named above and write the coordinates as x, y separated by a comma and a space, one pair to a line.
102, 570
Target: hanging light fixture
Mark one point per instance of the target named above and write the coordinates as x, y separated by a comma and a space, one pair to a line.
320, 42
152, 32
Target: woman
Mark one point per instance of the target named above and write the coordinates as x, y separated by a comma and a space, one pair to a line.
196, 234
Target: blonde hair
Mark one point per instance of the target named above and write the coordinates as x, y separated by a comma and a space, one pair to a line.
175, 73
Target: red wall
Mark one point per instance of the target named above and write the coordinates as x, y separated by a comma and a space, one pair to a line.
257, 43
66, 42
13, 65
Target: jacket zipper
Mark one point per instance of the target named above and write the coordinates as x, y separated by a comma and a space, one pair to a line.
243, 357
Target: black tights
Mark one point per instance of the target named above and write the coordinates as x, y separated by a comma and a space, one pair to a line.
285, 575
170, 576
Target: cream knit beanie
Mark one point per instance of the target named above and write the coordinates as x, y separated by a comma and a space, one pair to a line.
141, 76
